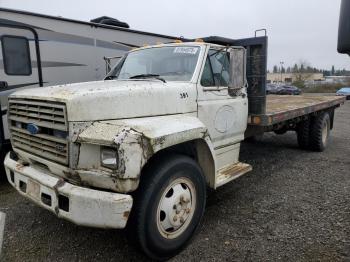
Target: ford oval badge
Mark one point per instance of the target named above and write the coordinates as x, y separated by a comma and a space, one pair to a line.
33, 129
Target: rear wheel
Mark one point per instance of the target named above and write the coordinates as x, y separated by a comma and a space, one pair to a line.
169, 206
303, 134
320, 131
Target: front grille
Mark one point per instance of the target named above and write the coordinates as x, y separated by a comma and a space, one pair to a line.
50, 117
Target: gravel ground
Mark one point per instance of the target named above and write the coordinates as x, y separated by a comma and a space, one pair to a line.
294, 206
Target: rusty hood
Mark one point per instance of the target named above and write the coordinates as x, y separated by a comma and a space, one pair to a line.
118, 99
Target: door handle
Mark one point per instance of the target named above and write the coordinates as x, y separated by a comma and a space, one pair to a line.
3, 84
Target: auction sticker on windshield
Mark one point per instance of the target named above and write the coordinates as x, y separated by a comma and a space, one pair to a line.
186, 50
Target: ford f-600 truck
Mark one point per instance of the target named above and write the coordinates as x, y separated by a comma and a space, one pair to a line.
139, 149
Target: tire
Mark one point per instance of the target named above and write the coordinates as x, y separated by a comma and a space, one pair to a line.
320, 130
170, 187
303, 134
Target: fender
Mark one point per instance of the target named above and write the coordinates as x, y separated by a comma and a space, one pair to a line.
138, 139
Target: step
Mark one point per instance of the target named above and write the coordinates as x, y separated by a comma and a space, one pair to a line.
231, 172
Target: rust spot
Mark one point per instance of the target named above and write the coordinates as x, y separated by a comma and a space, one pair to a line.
73, 176
19, 167
126, 214
235, 169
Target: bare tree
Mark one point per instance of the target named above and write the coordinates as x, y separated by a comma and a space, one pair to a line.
302, 73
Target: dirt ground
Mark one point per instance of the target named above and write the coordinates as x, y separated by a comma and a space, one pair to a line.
294, 206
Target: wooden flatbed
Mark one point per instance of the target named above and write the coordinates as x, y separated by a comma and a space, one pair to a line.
283, 108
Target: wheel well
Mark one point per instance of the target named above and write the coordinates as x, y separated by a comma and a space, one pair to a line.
195, 149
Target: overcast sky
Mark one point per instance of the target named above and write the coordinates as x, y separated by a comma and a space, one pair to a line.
297, 29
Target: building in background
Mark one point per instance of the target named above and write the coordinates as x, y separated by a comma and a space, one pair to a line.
293, 77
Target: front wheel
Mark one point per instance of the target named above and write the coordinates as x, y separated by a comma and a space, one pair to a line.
169, 206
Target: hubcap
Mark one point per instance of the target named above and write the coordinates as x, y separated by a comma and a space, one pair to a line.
176, 208
325, 133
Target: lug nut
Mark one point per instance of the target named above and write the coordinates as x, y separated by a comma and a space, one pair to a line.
175, 218
182, 220
174, 207
188, 210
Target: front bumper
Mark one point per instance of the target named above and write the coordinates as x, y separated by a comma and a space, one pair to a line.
82, 206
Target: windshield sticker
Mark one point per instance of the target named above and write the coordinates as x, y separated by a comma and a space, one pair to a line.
186, 50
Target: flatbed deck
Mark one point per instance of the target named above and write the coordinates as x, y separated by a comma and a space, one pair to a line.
283, 108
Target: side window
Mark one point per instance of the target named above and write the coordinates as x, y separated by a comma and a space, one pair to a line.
220, 63
16, 55
207, 76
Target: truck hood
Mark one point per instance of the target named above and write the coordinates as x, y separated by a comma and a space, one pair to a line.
117, 99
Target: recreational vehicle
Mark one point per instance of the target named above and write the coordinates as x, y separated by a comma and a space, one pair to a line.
39, 50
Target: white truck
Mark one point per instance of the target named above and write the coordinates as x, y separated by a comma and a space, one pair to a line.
140, 148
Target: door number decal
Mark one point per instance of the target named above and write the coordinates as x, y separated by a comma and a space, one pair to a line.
183, 95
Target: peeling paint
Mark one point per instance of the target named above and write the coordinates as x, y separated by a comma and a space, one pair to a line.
126, 215
136, 141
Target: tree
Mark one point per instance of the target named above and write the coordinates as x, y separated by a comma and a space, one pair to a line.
283, 70
295, 68
301, 73
275, 69
333, 71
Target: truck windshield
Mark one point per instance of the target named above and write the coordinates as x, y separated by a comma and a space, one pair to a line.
168, 63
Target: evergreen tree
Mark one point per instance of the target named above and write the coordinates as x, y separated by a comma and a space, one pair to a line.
295, 68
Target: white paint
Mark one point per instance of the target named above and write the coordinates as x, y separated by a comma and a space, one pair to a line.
87, 207
2, 229
114, 99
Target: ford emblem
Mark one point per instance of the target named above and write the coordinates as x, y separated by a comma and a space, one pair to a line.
33, 129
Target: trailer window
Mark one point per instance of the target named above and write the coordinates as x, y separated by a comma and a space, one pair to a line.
16, 55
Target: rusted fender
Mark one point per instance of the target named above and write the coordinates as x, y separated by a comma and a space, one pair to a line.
138, 139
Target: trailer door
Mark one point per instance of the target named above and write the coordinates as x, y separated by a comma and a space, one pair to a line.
20, 66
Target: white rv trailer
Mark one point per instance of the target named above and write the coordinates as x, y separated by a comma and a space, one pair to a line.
41, 50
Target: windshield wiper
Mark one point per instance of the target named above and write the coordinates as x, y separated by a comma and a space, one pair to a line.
148, 76
110, 77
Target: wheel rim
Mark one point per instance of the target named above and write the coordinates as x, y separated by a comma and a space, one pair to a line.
325, 133
176, 208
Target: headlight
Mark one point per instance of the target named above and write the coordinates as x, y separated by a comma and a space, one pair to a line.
109, 157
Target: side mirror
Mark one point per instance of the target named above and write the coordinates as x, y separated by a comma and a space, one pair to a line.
237, 68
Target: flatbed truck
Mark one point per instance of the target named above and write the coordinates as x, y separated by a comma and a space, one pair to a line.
139, 149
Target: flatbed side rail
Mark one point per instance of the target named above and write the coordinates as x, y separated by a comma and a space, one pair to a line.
274, 118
